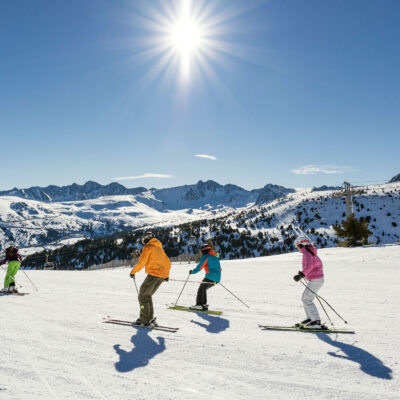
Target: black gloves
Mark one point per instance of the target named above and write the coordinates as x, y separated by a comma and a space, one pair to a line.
132, 276
190, 272
299, 276
166, 279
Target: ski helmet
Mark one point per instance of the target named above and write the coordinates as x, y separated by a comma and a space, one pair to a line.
205, 248
147, 237
302, 241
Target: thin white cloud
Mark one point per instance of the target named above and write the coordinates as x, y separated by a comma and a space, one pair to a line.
206, 156
144, 176
319, 169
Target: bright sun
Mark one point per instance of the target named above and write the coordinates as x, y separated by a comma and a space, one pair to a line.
185, 39
186, 36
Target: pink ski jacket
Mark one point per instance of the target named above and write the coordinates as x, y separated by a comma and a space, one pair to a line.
312, 265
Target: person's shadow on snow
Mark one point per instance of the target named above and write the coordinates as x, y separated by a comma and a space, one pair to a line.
368, 363
215, 324
145, 348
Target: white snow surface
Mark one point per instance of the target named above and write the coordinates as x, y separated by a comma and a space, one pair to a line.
55, 346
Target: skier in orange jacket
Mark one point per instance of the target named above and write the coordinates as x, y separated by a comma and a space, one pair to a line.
157, 266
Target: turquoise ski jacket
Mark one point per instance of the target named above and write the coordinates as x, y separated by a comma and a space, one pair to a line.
211, 265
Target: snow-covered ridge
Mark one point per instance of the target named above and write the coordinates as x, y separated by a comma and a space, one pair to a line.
42, 215
396, 178
90, 190
180, 197
31, 222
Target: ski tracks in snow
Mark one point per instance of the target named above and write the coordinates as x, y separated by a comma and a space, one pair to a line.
76, 371
52, 378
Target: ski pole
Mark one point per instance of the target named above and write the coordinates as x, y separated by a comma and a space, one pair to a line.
234, 295
319, 301
30, 281
181, 290
182, 280
134, 280
320, 297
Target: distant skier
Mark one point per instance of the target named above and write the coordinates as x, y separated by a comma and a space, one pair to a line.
135, 256
14, 261
312, 270
157, 266
212, 267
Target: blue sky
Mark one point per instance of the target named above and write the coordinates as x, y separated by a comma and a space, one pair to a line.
297, 93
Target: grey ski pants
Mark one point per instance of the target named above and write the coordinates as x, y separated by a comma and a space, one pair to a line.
308, 298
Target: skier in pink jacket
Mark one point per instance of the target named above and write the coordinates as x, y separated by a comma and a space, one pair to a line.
312, 271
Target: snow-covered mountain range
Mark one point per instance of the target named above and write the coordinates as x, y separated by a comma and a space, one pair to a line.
201, 194
262, 221
74, 192
41, 215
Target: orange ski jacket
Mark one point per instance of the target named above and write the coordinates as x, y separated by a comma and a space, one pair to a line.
154, 258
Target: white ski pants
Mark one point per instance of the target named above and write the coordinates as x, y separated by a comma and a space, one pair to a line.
308, 298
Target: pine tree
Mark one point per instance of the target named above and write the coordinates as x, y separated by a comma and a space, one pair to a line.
355, 232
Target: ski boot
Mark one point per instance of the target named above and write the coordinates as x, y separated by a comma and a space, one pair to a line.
12, 288
139, 322
302, 323
9, 290
199, 307
314, 325
153, 321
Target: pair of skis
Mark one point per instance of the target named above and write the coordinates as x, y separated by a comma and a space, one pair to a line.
13, 294
184, 308
157, 327
299, 329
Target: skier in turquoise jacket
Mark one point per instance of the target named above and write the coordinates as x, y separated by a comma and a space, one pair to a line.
212, 267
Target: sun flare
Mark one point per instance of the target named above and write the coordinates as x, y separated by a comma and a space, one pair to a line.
186, 36
186, 40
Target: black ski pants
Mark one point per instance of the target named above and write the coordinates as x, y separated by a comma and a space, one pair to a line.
147, 289
201, 298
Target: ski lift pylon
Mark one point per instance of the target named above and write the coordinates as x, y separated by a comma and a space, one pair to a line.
192, 240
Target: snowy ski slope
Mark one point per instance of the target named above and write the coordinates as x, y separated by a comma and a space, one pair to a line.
53, 344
